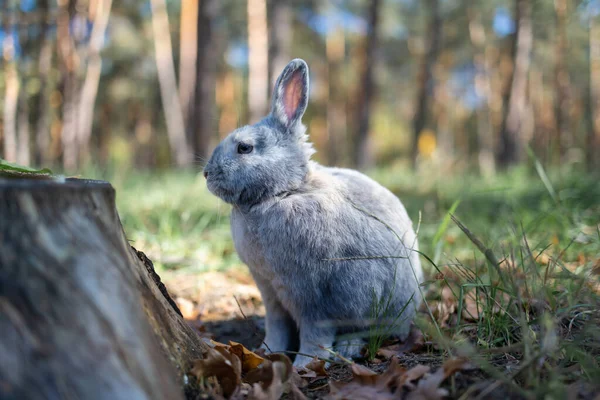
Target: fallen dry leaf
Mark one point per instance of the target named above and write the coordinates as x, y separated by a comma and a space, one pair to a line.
426, 391
472, 307
414, 374
428, 388
354, 391
363, 375
305, 373
453, 365
369, 385
274, 377
250, 360
224, 366
445, 307
318, 366
275, 389
413, 344
214, 343
264, 372
389, 351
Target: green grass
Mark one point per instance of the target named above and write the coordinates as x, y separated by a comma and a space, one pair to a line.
172, 217
526, 260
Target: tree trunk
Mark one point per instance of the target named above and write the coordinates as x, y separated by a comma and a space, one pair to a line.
512, 138
11, 95
336, 106
23, 148
89, 91
483, 87
42, 128
188, 55
280, 38
168, 86
593, 136
82, 314
206, 74
68, 66
362, 156
258, 59
11, 100
562, 89
424, 77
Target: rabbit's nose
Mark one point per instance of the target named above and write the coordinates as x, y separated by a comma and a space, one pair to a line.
206, 174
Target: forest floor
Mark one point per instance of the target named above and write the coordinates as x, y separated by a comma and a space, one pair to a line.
511, 285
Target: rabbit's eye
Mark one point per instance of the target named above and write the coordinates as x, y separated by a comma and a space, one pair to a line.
244, 148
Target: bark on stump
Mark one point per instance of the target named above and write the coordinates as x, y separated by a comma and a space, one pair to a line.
83, 315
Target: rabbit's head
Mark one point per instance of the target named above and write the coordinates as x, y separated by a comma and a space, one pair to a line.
271, 157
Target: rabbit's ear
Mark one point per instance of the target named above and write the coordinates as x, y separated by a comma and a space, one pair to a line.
290, 95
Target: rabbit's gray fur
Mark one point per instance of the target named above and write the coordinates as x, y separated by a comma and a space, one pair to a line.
315, 238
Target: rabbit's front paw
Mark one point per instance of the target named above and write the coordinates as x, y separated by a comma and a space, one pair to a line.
275, 343
314, 342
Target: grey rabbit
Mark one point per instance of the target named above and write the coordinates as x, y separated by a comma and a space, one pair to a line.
323, 244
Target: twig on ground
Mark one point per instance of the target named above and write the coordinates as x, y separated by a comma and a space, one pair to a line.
251, 324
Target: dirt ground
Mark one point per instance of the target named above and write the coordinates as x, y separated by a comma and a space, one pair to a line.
223, 305
226, 306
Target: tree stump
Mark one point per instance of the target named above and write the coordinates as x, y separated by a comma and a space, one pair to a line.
83, 315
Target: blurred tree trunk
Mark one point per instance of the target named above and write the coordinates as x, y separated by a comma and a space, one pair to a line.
336, 108
362, 156
544, 119
89, 91
23, 148
68, 66
593, 136
206, 75
424, 77
258, 59
512, 137
188, 54
42, 131
562, 85
105, 135
11, 83
28, 46
280, 38
168, 86
485, 131
11, 100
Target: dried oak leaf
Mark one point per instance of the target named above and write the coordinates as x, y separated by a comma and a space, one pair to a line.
272, 378
213, 343
275, 389
413, 344
415, 373
428, 388
354, 391
364, 375
250, 360
318, 366
224, 366
313, 370
264, 372
369, 385
444, 308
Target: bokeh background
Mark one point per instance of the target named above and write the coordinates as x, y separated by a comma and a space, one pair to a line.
155, 84
486, 109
